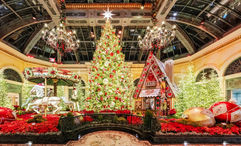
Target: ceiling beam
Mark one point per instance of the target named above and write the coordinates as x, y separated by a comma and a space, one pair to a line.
184, 39
196, 26
11, 9
220, 18
19, 24
76, 54
33, 40
51, 7
164, 8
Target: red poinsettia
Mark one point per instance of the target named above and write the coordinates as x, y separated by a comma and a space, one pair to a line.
172, 112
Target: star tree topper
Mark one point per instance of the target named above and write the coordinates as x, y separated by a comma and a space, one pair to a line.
108, 14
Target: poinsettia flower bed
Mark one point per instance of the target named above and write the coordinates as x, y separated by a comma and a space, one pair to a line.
174, 127
22, 126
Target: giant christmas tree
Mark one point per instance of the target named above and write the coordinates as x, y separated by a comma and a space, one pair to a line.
110, 84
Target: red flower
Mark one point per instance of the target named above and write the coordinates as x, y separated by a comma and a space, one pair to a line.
172, 112
52, 72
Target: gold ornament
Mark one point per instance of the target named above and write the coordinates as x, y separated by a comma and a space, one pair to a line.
201, 116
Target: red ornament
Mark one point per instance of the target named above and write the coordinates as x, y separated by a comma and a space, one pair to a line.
96, 77
114, 71
137, 90
111, 54
101, 98
98, 74
116, 98
108, 57
111, 76
105, 93
118, 51
28, 72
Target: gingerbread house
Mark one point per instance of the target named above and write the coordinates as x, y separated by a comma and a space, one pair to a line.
155, 89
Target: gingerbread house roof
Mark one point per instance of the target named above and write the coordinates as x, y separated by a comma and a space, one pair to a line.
155, 66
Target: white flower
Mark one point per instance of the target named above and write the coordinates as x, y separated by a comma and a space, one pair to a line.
105, 81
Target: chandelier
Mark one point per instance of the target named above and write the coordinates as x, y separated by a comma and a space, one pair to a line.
157, 37
60, 39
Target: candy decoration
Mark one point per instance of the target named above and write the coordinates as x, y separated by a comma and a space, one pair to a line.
226, 112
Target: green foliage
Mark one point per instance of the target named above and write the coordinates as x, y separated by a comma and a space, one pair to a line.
122, 120
147, 119
110, 84
100, 118
196, 94
26, 88
80, 95
4, 100
70, 115
187, 122
60, 93
36, 119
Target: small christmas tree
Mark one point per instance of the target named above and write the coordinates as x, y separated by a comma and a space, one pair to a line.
110, 83
80, 95
197, 94
4, 100
26, 88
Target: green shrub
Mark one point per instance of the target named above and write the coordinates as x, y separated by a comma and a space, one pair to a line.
122, 120
147, 119
100, 118
36, 119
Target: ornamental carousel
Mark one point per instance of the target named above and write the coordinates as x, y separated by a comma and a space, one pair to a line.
48, 76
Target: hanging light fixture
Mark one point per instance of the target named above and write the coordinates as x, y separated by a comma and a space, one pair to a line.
60, 38
157, 37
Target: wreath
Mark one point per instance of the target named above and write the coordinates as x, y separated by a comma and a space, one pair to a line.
28, 72
52, 72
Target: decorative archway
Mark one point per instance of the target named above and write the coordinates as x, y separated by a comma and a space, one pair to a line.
206, 72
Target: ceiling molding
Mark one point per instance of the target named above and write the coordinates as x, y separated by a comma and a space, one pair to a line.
184, 39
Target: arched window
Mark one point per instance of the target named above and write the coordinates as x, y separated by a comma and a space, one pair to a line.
234, 67
12, 75
206, 73
136, 82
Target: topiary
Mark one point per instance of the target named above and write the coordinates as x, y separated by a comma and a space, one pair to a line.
147, 119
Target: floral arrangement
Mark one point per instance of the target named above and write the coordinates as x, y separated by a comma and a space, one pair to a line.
134, 120
172, 126
21, 125
41, 72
